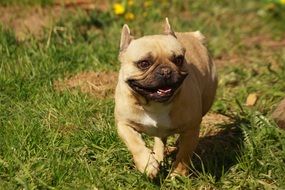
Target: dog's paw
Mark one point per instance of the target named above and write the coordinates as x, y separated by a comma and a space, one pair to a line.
173, 175
148, 164
179, 169
176, 174
152, 167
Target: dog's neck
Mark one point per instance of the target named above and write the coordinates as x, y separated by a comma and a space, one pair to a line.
156, 107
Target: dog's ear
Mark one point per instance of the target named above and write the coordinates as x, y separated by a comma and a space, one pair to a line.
167, 28
126, 38
199, 36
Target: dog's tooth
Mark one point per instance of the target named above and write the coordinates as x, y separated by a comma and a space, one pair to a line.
168, 90
164, 91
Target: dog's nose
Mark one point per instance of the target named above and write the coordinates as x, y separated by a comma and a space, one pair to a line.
165, 72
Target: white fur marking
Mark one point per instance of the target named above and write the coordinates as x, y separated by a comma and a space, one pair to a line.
158, 117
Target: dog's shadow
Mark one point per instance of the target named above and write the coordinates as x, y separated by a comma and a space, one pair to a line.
215, 154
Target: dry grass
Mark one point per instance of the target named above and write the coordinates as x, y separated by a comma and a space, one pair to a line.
31, 21
97, 84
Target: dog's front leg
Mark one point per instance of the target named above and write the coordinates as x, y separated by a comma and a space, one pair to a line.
143, 157
158, 148
186, 145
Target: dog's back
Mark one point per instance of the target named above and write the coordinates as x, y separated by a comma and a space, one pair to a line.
201, 66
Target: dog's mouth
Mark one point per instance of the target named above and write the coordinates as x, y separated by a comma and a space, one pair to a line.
159, 93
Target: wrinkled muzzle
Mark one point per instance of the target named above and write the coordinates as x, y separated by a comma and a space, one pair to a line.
160, 84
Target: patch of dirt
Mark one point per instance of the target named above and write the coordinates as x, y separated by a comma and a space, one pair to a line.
279, 114
264, 41
84, 4
30, 21
98, 84
210, 128
227, 60
263, 45
211, 122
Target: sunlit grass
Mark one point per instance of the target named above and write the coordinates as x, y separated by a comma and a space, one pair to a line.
68, 140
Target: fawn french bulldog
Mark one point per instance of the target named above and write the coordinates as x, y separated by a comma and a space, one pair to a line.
166, 84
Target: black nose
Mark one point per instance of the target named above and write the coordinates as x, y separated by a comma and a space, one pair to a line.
165, 72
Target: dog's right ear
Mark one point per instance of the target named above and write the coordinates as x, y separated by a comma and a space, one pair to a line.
167, 28
126, 38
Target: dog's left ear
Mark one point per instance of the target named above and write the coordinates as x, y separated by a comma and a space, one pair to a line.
126, 38
199, 36
167, 28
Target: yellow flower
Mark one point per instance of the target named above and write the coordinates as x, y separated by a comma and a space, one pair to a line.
130, 2
147, 4
282, 2
129, 16
119, 9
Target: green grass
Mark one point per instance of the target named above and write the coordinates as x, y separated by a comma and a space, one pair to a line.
64, 140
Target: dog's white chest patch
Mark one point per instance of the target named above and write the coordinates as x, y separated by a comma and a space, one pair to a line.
156, 120
148, 121
157, 117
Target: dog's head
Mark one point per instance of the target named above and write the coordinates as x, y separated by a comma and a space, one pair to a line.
152, 66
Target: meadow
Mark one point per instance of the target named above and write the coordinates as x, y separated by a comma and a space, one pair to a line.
58, 68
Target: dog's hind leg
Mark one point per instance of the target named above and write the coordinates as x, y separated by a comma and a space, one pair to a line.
187, 143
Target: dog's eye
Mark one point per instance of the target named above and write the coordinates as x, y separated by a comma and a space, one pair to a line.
178, 60
144, 64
